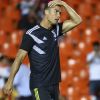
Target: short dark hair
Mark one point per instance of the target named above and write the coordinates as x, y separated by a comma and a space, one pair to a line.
1, 57
46, 6
96, 43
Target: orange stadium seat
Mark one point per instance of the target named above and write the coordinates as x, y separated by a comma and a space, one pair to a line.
85, 47
84, 97
63, 88
75, 34
95, 22
94, 2
67, 49
15, 2
87, 7
12, 13
73, 3
79, 54
83, 25
72, 93
16, 37
3, 37
98, 8
64, 15
66, 82
9, 50
6, 25
63, 61
90, 35
2, 4
77, 68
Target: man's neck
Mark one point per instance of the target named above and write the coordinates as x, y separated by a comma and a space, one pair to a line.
46, 24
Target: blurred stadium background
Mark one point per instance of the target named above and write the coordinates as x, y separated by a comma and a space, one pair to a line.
73, 47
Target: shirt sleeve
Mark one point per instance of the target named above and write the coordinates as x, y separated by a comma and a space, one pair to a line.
27, 43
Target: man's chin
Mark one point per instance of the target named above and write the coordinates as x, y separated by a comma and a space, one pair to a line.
55, 23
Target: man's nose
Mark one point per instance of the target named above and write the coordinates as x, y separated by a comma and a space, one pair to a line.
58, 15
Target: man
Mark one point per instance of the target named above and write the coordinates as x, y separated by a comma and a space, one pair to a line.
93, 60
40, 43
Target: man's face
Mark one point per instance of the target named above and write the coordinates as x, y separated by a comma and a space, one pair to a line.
97, 48
54, 14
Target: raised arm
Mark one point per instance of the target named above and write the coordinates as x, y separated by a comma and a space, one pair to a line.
14, 69
75, 19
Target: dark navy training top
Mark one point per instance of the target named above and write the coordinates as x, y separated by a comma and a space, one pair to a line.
43, 52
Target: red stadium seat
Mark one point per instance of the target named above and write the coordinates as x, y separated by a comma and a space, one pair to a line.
79, 54
2, 4
15, 2
72, 93
98, 8
66, 48
12, 13
63, 61
83, 25
63, 88
84, 48
3, 37
6, 25
9, 50
64, 15
90, 35
74, 3
85, 10
95, 22
75, 35
92, 2
84, 97
16, 37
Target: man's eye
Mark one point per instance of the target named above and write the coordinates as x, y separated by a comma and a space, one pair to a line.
56, 11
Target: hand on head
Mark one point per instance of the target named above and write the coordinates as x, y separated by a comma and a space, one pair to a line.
56, 2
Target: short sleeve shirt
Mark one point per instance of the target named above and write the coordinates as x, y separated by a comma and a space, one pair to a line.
43, 52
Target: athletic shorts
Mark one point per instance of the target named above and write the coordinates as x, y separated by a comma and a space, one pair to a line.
46, 93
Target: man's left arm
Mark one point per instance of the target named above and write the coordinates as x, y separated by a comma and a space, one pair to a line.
74, 20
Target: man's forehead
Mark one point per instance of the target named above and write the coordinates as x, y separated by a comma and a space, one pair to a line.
57, 7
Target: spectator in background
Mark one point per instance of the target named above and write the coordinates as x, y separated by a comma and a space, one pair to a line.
29, 10
93, 60
29, 21
40, 12
21, 82
3, 74
25, 6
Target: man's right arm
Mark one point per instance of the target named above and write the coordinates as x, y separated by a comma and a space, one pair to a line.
15, 66
25, 48
14, 69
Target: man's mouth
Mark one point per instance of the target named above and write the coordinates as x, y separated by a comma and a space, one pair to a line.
57, 20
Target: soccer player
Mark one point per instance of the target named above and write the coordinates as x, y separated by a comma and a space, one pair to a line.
40, 43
